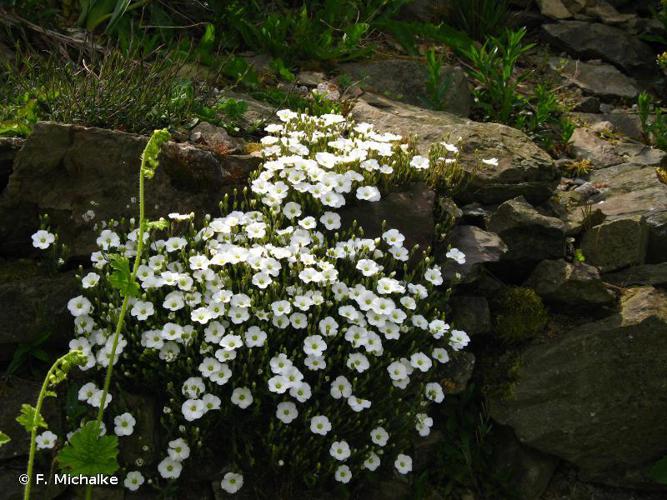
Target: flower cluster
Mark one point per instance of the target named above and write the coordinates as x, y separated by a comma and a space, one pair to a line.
278, 330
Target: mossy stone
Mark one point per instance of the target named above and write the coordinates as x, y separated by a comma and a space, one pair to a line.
519, 315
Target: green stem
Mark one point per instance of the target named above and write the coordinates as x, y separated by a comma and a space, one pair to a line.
123, 309
33, 431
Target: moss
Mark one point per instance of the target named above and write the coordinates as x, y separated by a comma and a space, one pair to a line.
501, 375
519, 315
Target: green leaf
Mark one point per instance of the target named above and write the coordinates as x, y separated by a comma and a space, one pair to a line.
4, 439
149, 158
88, 453
121, 277
659, 471
30, 418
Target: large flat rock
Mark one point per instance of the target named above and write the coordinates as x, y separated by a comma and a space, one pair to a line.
80, 175
595, 395
523, 168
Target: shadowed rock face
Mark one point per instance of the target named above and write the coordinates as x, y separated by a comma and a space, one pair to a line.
523, 168
595, 395
67, 171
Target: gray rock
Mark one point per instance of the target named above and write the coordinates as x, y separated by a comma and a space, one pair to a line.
405, 80
599, 79
599, 41
530, 470
458, 372
67, 170
641, 154
624, 122
648, 274
215, 138
480, 247
554, 9
657, 236
592, 396
529, 235
569, 284
471, 314
523, 169
607, 14
586, 145
616, 244
34, 303
409, 210
9, 146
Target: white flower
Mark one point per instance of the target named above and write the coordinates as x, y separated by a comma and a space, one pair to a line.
278, 384
320, 424
142, 310
340, 450
434, 392
242, 397
440, 355
343, 474
79, 305
368, 193
421, 361
458, 340
456, 255
178, 450
368, 267
124, 424
358, 404
87, 391
211, 402
193, 409
133, 480
433, 276
379, 436
43, 239
419, 162
341, 388
108, 239
90, 280
357, 361
393, 237
314, 345
254, 337
491, 161
46, 440
397, 371
403, 463
331, 220
169, 468
286, 412
372, 462
232, 482
424, 424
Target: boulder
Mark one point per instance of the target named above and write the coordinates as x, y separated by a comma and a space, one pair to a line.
623, 122
600, 79
80, 175
616, 244
587, 145
34, 303
648, 274
529, 235
405, 80
480, 247
9, 146
554, 9
471, 314
592, 396
523, 168
215, 139
569, 284
409, 210
599, 41
657, 236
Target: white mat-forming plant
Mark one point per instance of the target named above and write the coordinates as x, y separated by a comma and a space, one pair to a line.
279, 342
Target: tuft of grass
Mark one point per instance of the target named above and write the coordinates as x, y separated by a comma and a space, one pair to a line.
480, 19
520, 315
114, 91
654, 128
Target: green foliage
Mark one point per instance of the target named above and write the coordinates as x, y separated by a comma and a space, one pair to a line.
88, 453
121, 279
437, 85
654, 128
464, 461
659, 471
4, 439
30, 418
114, 91
519, 315
493, 68
26, 352
480, 18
